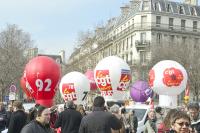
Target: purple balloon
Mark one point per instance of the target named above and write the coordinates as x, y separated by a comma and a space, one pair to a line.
140, 91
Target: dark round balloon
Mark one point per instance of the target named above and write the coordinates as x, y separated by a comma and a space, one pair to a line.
140, 91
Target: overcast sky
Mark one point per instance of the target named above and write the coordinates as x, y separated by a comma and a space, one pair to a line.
54, 24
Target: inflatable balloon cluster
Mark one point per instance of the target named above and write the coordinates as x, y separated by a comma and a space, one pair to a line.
112, 76
40, 80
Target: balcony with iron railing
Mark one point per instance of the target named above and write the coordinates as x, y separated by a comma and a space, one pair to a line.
154, 26
176, 28
142, 44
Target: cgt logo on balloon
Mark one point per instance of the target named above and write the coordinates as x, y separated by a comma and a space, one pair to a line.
104, 82
124, 80
172, 77
69, 93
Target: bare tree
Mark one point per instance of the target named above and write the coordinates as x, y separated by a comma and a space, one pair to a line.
13, 43
185, 52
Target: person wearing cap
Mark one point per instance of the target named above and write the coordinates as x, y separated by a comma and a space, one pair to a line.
99, 121
69, 120
41, 122
18, 118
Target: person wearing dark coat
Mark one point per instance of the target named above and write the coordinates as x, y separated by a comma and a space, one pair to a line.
3, 117
69, 120
18, 119
41, 122
8, 115
99, 121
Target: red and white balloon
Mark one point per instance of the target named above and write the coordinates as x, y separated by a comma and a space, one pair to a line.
168, 78
73, 85
112, 74
42, 75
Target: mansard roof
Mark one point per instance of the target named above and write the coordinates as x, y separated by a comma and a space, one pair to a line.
137, 5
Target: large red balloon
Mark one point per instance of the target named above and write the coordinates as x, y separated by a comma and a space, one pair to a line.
90, 75
24, 88
42, 74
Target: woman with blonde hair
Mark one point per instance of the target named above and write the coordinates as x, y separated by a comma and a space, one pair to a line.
150, 125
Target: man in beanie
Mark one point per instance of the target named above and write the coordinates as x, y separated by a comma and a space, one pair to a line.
18, 118
69, 120
41, 122
99, 121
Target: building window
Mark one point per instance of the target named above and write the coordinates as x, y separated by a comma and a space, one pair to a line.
171, 38
169, 8
131, 56
143, 37
156, 6
119, 47
171, 23
127, 43
158, 21
159, 37
181, 11
182, 24
142, 57
145, 5
126, 57
183, 39
123, 45
195, 26
192, 10
196, 40
143, 21
131, 41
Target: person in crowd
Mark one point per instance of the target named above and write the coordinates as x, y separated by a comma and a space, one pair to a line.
159, 115
165, 126
32, 114
150, 125
126, 120
53, 117
184, 107
81, 109
8, 114
133, 122
3, 117
18, 119
69, 120
193, 110
115, 110
99, 121
60, 108
180, 122
41, 122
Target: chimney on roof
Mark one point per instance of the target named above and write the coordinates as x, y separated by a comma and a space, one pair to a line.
99, 30
125, 10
